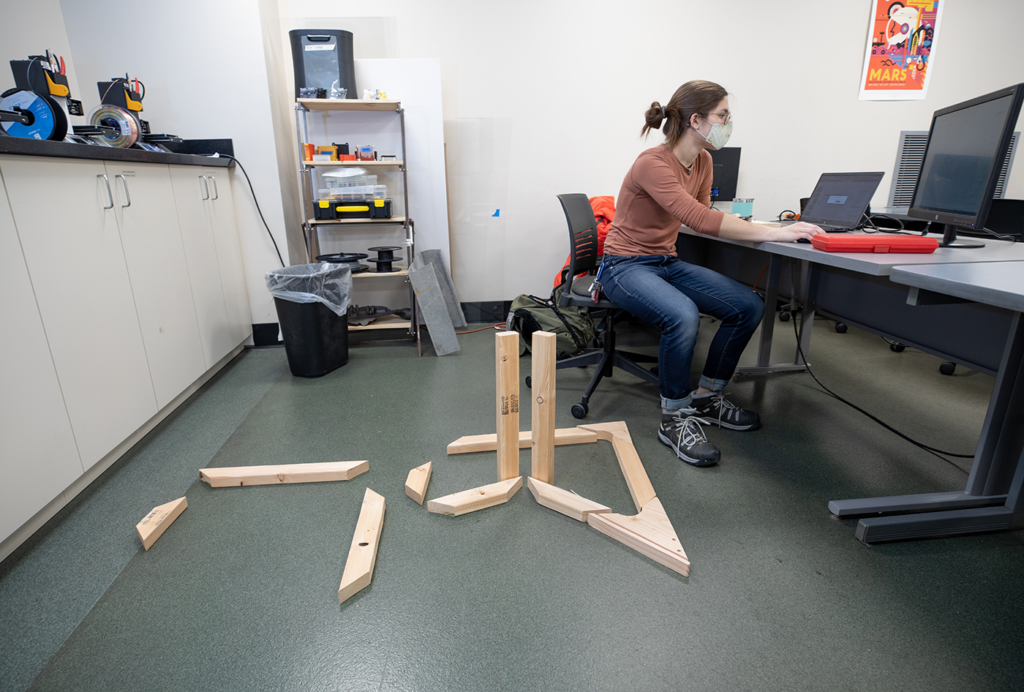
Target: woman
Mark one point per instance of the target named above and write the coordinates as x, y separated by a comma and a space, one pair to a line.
666, 186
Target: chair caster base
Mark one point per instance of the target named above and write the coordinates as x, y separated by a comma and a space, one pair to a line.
580, 410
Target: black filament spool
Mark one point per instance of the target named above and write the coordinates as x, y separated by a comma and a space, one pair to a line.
385, 257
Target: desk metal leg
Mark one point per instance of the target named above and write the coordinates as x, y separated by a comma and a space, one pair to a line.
992, 500
764, 346
809, 299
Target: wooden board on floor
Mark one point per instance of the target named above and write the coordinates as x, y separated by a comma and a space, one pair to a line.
506, 372
475, 499
363, 553
649, 533
489, 443
542, 398
569, 504
234, 476
157, 521
640, 487
417, 482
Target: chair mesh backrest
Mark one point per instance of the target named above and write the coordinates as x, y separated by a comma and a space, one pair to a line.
582, 233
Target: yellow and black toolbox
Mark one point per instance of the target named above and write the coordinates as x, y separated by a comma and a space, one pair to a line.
330, 210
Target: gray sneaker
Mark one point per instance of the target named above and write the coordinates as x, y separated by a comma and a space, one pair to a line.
715, 409
682, 432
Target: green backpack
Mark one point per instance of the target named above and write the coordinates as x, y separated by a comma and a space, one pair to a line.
572, 325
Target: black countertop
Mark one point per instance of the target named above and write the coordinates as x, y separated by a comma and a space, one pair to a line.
66, 150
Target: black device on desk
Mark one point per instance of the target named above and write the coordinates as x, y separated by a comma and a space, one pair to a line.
726, 172
966, 148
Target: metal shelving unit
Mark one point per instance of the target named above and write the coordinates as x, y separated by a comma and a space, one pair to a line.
311, 227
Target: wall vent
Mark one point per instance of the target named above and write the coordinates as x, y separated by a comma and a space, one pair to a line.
908, 165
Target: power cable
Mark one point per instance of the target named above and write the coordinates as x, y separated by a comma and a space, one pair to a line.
265, 225
931, 450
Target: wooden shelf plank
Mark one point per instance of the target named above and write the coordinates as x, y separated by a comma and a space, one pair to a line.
383, 323
403, 271
393, 219
355, 164
363, 553
234, 476
349, 105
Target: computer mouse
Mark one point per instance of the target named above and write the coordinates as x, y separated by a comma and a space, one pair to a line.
803, 240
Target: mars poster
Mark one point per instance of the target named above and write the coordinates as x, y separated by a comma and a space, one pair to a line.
900, 51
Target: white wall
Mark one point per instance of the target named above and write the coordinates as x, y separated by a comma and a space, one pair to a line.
205, 74
31, 28
540, 98
556, 91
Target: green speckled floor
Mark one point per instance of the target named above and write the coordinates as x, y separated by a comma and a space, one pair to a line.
241, 591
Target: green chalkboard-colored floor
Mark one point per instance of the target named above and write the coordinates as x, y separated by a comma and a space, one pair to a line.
241, 591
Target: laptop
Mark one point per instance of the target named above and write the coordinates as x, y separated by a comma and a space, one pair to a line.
839, 201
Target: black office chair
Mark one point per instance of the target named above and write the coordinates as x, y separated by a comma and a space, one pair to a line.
583, 257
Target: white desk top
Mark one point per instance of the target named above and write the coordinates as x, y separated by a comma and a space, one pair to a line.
883, 263
1001, 285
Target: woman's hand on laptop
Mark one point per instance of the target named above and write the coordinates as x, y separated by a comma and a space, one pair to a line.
797, 231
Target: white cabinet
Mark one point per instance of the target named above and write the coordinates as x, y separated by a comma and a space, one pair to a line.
68, 231
148, 222
38, 457
191, 199
221, 208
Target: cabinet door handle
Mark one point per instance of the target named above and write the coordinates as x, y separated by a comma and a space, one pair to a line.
206, 187
127, 197
109, 193
216, 194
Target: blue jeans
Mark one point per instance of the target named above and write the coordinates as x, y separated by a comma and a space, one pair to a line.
671, 294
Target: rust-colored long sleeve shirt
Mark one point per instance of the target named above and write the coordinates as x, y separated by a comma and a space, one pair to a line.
657, 195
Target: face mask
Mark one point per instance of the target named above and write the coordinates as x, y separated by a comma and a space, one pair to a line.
718, 135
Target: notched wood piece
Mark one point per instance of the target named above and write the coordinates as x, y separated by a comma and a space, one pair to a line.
478, 498
617, 433
649, 533
157, 521
506, 369
233, 476
416, 483
489, 443
569, 504
363, 553
542, 403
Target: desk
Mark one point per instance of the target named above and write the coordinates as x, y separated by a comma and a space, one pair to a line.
980, 291
992, 498
854, 288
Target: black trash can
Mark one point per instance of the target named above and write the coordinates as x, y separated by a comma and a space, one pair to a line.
308, 299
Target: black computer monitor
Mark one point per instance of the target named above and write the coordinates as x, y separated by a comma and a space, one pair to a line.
726, 172
967, 144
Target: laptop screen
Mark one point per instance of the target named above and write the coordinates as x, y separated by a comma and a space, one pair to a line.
839, 199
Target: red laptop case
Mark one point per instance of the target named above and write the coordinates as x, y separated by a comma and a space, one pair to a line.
874, 242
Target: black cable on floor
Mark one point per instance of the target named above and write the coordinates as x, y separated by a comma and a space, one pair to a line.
276, 249
931, 450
